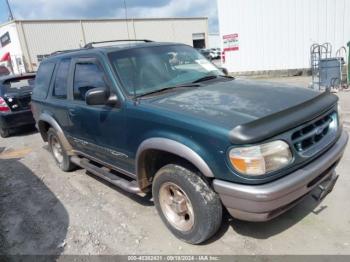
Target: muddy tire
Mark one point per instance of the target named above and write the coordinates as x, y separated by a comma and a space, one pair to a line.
4, 132
58, 152
190, 209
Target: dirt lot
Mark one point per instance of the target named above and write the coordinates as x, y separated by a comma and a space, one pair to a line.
46, 211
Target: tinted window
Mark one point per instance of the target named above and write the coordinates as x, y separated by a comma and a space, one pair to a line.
60, 87
86, 77
42, 79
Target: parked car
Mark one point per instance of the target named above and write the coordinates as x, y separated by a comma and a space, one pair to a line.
15, 93
198, 140
216, 52
208, 54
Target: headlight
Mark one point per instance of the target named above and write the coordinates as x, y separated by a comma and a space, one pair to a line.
261, 159
340, 115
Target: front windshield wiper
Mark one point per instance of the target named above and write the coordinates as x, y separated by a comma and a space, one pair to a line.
167, 88
210, 77
205, 78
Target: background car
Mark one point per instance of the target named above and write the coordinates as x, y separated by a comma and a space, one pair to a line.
207, 53
15, 97
216, 52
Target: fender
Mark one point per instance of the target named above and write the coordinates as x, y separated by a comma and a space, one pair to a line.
170, 146
45, 117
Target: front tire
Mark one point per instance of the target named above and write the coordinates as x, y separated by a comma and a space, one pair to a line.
58, 152
190, 209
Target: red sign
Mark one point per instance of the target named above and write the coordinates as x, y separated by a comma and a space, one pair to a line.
230, 42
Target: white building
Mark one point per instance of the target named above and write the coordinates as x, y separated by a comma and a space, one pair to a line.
214, 40
27, 42
277, 34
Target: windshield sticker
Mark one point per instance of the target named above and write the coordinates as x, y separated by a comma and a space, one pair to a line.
206, 65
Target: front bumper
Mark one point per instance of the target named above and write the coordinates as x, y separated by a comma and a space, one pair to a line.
16, 119
264, 202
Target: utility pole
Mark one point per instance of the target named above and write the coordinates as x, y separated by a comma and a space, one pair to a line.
10, 11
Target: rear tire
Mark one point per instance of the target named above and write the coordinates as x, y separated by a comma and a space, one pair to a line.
190, 209
4, 132
58, 152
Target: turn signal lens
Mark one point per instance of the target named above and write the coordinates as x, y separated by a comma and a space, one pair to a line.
261, 159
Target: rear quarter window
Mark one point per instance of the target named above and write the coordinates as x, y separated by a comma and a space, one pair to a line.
43, 79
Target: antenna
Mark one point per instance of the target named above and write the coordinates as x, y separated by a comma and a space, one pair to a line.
127, 29
126, 18
10, 11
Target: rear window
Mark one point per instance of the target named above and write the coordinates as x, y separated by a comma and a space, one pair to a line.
42, 80
20, 84
60, 86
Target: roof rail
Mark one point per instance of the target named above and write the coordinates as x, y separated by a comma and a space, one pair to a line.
90, 45
63, 51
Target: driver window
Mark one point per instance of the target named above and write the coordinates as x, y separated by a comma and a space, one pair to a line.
86, 77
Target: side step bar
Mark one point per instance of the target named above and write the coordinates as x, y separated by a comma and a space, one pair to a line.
104, 173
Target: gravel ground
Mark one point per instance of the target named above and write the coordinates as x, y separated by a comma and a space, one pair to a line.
46, 211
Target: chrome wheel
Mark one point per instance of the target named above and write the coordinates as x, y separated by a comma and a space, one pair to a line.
56, 150
176, 206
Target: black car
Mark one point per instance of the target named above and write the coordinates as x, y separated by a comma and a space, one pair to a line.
15, 97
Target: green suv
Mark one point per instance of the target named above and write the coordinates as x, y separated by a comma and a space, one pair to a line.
159, 118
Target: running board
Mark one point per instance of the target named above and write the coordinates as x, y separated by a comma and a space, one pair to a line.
104, 173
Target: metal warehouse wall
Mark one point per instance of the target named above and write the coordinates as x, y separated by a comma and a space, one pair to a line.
214, 41
13, 47
277, 34
42, 37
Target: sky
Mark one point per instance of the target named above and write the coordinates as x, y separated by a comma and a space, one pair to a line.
80, 9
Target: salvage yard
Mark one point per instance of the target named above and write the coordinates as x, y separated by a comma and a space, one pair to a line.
46, 211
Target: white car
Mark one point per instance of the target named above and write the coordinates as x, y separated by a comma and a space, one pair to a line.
216, 52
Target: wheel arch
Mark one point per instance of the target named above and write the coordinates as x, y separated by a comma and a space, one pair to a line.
168, 146
47, 121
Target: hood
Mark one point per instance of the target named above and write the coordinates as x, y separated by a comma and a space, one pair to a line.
231, 103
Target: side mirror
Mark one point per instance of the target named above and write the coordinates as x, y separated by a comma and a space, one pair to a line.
97, 96
224, 70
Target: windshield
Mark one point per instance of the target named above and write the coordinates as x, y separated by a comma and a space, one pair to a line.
154, 68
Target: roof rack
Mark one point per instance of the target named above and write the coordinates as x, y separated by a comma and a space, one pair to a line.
90, 45
63, 51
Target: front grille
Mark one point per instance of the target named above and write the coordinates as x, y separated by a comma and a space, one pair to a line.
314, 132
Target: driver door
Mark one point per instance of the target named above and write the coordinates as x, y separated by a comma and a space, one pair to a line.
99, 129
86, 74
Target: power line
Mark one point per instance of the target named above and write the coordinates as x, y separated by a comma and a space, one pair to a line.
10, 11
